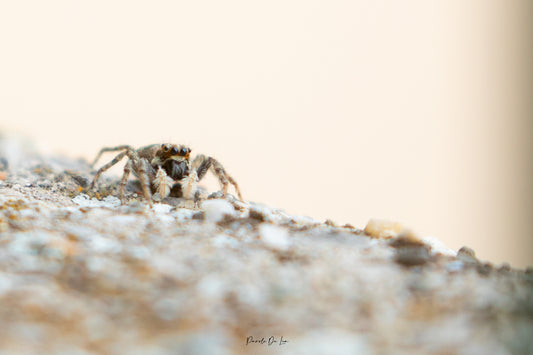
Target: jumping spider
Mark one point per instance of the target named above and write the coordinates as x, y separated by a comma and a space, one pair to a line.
165, 169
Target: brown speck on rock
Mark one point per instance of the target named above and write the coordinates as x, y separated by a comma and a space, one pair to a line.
330, 223
484, 269
409, 250
199, 216
257, 215
85, 209
467, 252
226, 220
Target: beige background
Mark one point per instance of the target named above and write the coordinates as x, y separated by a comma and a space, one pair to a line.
416, 111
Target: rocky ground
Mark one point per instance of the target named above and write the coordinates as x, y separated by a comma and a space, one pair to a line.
82, 274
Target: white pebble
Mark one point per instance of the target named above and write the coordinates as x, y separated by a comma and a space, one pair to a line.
162, 208
438, 247
84, 201
215, 210
274, 237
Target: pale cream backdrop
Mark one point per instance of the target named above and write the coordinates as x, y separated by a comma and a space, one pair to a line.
415, 110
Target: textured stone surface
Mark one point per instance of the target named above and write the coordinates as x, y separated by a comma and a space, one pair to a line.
82, 274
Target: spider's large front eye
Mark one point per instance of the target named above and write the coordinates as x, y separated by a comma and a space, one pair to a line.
174, 151
183, 152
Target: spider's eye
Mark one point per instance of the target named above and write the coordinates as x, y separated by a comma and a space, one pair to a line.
183, 152
164, 146
174, 151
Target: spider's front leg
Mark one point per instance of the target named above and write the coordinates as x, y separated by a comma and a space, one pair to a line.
127, 151
143, 168
110, 149
104, 168
124, 180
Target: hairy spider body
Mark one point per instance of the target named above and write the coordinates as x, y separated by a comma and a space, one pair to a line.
165, 169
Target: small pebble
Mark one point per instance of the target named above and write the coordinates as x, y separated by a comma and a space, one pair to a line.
505, 267
378, 228
412, 255
330, 223
198, 216
467, 255
274, 237
484, 269
161, 208
216, 209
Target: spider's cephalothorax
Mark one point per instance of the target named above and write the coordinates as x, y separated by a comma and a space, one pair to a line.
165, 169
174, 159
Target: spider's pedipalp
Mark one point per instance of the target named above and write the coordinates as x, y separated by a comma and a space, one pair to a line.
162, 183
189, 185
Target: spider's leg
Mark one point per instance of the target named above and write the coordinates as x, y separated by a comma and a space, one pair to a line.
106, 167
142, 168
220, 172
202, 164
109, 149
127, 171
234, 183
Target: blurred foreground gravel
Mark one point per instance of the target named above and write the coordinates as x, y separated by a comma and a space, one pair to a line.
81, 274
